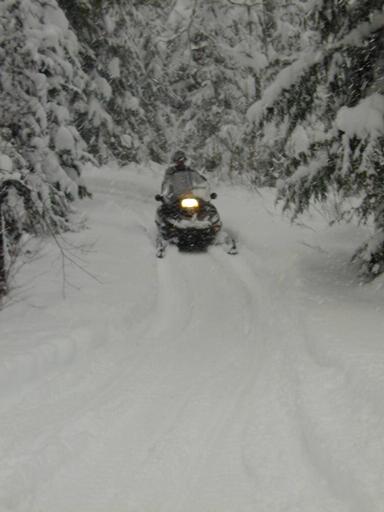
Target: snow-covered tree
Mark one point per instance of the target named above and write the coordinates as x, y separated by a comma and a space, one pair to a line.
281, 31
323, 117
40, 78
121, 118
208, 102
220, 55
40, 148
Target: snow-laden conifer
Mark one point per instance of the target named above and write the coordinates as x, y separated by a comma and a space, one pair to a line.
323, 117
121, 118
40, 148
220, 56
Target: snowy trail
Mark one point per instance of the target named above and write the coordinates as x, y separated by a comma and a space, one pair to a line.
198, 382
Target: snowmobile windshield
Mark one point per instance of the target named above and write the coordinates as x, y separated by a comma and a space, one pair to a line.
189, 182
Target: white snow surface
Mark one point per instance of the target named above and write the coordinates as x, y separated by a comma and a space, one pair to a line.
200, 382
5, 163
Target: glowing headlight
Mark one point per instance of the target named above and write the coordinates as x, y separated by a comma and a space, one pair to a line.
189, 202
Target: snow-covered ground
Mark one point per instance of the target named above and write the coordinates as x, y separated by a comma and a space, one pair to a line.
196, 383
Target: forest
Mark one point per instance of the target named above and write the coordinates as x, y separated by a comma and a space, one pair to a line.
267, 93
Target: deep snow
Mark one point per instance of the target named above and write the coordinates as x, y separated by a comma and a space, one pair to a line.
201, 382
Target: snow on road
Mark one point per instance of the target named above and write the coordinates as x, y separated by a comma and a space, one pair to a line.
201, 382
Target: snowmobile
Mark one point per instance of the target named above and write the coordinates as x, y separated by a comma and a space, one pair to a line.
192, 223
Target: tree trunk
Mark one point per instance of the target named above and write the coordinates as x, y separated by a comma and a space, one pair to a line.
3, 274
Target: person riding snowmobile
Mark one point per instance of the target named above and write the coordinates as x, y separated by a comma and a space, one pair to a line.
180, 179
186, 216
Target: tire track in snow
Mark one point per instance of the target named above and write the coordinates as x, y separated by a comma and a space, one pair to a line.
226, 392
263, 398
272, 436
208, 385
67, 409
111, 390
226, 446
216, 392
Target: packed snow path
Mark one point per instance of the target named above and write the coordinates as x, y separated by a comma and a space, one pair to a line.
200, 382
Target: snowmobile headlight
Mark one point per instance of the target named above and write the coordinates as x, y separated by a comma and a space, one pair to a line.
189, 202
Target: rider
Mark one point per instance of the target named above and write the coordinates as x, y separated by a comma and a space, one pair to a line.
180, 179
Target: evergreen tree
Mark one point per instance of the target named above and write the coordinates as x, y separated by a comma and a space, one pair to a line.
40, 74
324, 114
121, 119
220, 55
208, 100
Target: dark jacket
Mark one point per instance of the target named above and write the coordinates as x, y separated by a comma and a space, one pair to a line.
182, 180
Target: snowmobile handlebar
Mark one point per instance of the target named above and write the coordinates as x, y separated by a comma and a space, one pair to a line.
160, 198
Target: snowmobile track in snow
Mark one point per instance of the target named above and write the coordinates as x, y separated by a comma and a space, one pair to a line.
199, 382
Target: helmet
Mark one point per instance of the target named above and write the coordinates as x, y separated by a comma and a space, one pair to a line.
179, 156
